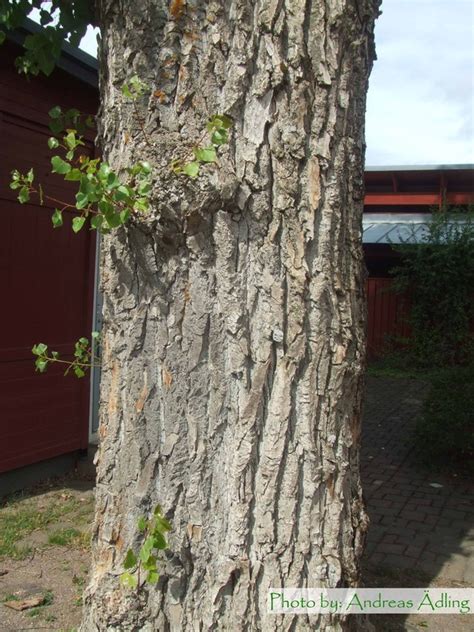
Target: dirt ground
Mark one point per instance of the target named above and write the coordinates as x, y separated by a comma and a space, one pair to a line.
44, 555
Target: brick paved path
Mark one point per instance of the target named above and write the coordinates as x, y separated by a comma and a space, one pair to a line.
413, 523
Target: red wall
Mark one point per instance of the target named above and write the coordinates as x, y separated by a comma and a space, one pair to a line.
46, 277
386, 317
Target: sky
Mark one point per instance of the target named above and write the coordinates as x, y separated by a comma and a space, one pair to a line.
420, 108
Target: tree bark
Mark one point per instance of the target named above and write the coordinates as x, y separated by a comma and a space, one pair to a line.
234, 314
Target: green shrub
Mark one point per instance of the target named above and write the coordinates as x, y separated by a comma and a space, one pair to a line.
445, 431
438, 275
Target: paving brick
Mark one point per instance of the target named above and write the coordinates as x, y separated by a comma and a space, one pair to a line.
413, 515
420, 526
453, 514
389, 538
413, 525
422, 502
395, 498
413, 551
398, 561
387, 548
377, 558
418, 540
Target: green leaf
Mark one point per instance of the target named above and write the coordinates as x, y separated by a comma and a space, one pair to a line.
150, 563
53, 142
162, 524
142, 524
145, 167
219, 137
226, 121
113, 220
128, 580
41, 365
142, 205
159, 541
219, 121
39, 349
130, 560
82, 200
72, 114
152, 577
45, 17
95, 335
55, 112
106, 207
57, 218
124, 215
112, 181
104, 170
79, 371
78, 223
56, 126
23, 195
73, 175
144, 188
59, 165
70, 139
122, 193
147, 548
177, 166
96, 221
208, 154
126, 91
191, 169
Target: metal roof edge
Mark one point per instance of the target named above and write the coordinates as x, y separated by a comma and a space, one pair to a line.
449, 167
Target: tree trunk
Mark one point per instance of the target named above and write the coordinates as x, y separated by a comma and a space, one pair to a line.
234, 314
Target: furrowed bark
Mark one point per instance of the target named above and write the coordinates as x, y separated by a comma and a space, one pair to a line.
234, 313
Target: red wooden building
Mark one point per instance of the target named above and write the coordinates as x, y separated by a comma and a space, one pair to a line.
47, 276
398, 203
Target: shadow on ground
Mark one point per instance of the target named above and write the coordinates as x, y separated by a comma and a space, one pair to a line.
421, 523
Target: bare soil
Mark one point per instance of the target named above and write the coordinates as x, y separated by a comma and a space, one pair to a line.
50, 560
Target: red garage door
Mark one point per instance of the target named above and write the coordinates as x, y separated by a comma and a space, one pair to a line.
45, 279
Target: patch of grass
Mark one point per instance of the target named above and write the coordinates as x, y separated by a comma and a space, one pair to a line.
48, 598
37, 611
399, 367
64, 537
78, 581
50, 618
20, 516
10, 597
